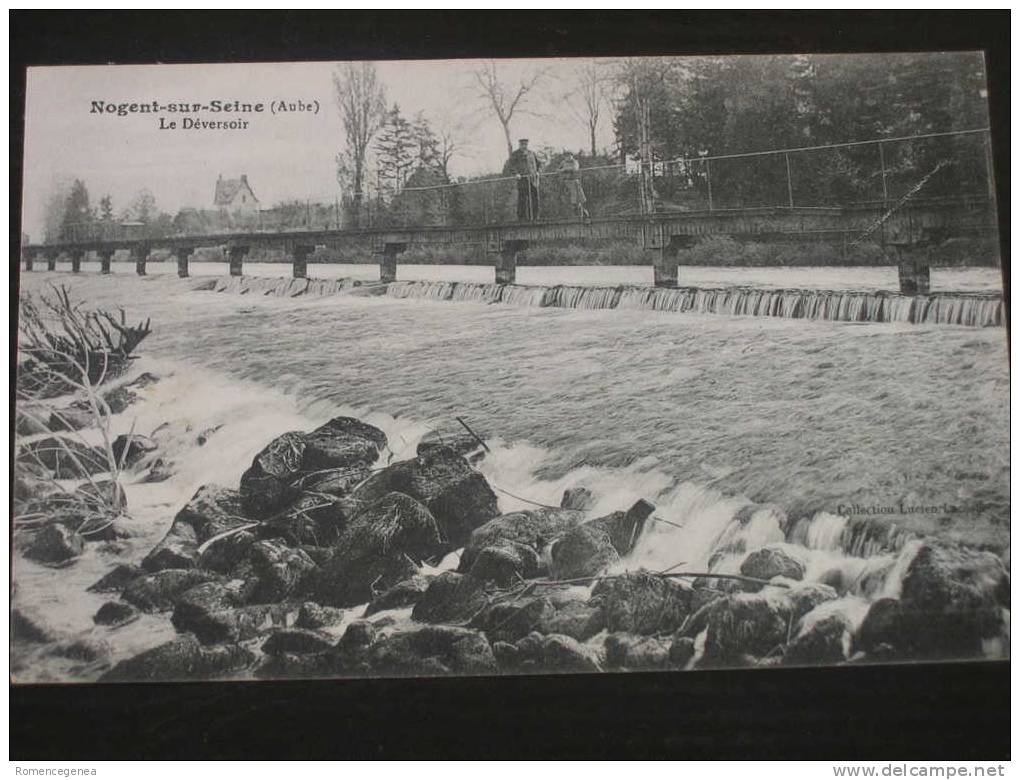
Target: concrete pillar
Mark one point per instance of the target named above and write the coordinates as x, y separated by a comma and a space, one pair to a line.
235, 256
388, 262
666, 265
28, 257
300, 260
182, 254
506, 261
105, 258
51, 260
76, 256
914, 265
140, 253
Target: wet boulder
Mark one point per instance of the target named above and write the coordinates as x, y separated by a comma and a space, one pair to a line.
805, 596
383, 545
746, 625
266, 485
431, 651
405, 593
578, 619
131, 449
460, 441
458, 497
535, 528
637, 653
65, 457
226, 554
29, 627
69, 419
579, 498
508, 621
772, 561
183, 658
343, 443
177, 550
505, 563
885, 625
296, 640
114, 613
824, 641
312, 615
553, 653
313, 519
157, 592
117, 578
681, 651
103, 495
55, 543
333, 482
583, 551
624, 528
282, 572
643, 603
952, 599
206, 610
451, 598
304, 666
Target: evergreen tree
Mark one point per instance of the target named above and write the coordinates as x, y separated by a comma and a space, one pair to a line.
77, 212
395, 151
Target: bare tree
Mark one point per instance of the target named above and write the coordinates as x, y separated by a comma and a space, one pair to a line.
588, 98
361, 101
505, 98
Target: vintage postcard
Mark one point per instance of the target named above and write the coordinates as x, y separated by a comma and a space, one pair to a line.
470, 367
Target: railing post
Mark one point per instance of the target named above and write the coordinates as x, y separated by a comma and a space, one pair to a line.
388, 262
506, 261
140, 252
789, 181
51, 260
183, 255
708, 179
885, 183
300, 260
235, 256
76, 256
105, 258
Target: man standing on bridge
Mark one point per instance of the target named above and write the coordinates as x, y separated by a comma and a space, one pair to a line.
524, 163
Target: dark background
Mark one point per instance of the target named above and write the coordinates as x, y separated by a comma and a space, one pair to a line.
948, 711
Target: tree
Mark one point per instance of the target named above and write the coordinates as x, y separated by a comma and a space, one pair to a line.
588, 98
361, 102
505, 99
395, 151
143, 208
77, 212
428, 146
106, 208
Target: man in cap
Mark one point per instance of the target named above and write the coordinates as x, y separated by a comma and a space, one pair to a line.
524, 164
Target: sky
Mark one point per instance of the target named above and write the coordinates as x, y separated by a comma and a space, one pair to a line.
285, 156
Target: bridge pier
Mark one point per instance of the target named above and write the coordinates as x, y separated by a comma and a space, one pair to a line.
506, 260
183, 254
105, 258
388, 262
235, 256
51, 260
299, 259
28, 257
666, 263
914, 266
141, 254
76, 256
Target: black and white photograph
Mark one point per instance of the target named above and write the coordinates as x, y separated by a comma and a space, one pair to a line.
485, 367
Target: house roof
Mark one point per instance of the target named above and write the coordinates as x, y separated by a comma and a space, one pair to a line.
227, 190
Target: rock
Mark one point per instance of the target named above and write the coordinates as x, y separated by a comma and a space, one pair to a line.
771, 561
405, 593
316, 520
296, 640
352, 650
297, 666
457, 496
746, 624
826, 641
180, 659
343, 442
312, 615
681, 651
579, 498
65, 457
565, 654
282, 571
55, 543
624, 528
451, 598
31, 420
509, 621
29, 628
132, 449
334, 482
643, 603
460, 441
103, 495
507, 655
117, 578
266, 485
637, 653
382, 546
211, 511
206, 610
159, 471
114, 613
953, 598
583, 551
70, 419
207, 434
85, 649
535, 528
885, 625
157, 592
808, 595
226, 554
577, 619
432, 650
505, 564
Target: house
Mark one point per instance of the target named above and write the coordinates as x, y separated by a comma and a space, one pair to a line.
235, 196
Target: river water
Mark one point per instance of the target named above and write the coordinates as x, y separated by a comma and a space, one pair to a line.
699, 414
